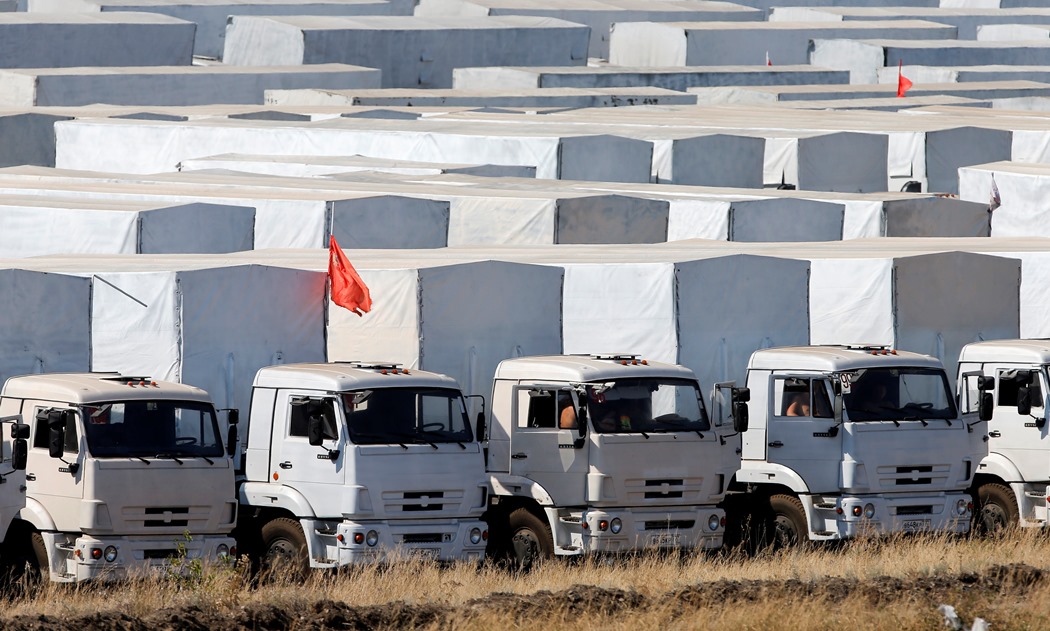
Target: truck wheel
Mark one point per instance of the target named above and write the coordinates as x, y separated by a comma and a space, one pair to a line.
43, 567
996, 509
530, 539
789, 521
284, 550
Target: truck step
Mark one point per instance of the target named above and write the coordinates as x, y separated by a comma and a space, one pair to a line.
824, 505
822, 533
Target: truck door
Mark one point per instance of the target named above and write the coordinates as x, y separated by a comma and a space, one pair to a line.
542, 451
1020, 437
312, 470
51, 481
802, 434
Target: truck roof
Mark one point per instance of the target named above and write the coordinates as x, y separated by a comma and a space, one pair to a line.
1030, 351
80, 388
584, 368
835, 358
346, 376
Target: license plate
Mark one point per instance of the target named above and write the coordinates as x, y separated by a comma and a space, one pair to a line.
664, 539
913, 525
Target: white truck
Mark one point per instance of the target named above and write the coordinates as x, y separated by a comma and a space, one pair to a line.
845, 440
1005, 381
358, 462
124, 475
602, 453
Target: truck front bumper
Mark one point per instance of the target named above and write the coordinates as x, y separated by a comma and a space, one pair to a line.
348, 542
857, 515
631, 529
90, 558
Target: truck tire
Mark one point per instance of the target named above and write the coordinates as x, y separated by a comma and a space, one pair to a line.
284, 551
789, 521
996, 509
530, 542
42, 566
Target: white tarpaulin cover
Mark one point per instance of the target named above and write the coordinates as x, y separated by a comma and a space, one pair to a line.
679, 78
136, 146
967, 20
1024, 196
44, 323
411, 52
210, 15
56, 40
170, 85
460, 320
318, 166
727, 43
36, 226
212, 327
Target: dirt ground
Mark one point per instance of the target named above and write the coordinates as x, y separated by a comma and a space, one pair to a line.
1006, 580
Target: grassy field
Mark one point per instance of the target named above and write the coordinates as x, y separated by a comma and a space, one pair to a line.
871, 584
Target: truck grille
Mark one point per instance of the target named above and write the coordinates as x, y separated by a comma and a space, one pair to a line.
166, 516
913, 475
664, 489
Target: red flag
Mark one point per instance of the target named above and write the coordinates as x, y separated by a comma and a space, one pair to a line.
348, 290
903, 83
769, 62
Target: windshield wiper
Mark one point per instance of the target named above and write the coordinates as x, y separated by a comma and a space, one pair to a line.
372, 435
169, 456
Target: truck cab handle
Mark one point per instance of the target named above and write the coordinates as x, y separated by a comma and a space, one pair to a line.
31, 477
992, 434
776, 443
285, 465
519, 456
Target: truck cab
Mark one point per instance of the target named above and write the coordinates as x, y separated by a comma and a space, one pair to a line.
1012, 484
602, 453
123, 475
846, 440
359, 462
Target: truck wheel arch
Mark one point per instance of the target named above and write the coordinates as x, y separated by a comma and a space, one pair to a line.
36, 515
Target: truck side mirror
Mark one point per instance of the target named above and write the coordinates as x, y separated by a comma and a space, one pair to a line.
56, 425
1024, 401
740, 417
231, 440
233, 417
315, 429
20, 431
479, 427
984, 407
985, 383
19, 454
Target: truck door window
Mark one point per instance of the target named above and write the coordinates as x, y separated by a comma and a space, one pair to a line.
41, 434
798, 396
298, 419
542, 412
1010, 381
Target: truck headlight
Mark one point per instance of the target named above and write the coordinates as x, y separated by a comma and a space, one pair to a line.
615, 526
111, 554
475, 535
222, 551
713, 522
372, 538
869, 511
961, 507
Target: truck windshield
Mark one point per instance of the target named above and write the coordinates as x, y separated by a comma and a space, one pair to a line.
878, 394
151, 428
647, 405
406, 415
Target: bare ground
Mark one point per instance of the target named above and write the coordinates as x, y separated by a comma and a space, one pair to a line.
1009, 582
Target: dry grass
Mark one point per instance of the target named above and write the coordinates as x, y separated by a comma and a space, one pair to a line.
789, 590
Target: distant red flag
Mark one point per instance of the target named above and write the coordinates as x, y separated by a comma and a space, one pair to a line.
348, 290
769, 62
903, 83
